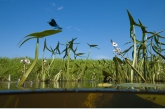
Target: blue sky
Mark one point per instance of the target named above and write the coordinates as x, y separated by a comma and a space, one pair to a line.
91, 21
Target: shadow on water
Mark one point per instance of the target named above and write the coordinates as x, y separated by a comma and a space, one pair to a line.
82, 94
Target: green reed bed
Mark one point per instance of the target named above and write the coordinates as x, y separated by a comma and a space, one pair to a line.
15, 68
94, 71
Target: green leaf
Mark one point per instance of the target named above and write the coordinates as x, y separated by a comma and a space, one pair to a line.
25, 41
125, 51
128, 42
71, 44
57, 47
116, 59
74, 51
48, 49
79, 54
143, 28
105, 73
66, 52
158, 42
38, 35
93, 45
44, 33
155, 34
158, 52
132, 21
44, 45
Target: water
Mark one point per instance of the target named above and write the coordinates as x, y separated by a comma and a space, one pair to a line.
82, 94
42, 85
85, 85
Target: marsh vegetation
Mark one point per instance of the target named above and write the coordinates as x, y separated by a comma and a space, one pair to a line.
145, 65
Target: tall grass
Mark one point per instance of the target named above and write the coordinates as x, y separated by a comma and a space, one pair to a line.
13, 67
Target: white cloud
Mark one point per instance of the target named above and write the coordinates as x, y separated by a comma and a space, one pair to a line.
53, 4
78, 29
60, 8
50, 7
68, 27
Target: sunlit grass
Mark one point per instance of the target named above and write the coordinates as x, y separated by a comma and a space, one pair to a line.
13, 67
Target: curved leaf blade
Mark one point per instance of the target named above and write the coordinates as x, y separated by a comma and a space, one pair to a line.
158, 52
26, 40
44, 33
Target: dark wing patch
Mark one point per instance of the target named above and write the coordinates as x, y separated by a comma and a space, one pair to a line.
52, 23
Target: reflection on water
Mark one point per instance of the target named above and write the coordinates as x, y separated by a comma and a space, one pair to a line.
55, 84
142, 86
83, 84
8, 85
